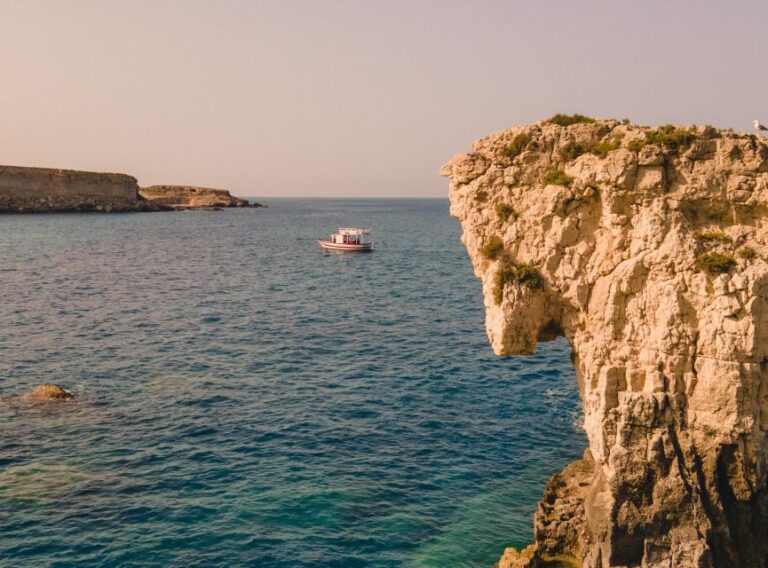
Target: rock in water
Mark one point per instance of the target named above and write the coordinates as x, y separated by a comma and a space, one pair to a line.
50, 392
645, 248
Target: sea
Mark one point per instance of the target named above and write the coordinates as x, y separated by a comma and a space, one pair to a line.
245, 399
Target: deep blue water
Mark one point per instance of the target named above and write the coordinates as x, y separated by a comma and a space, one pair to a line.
247, 400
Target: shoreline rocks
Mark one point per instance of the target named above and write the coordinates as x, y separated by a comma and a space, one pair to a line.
192, 197
646, 248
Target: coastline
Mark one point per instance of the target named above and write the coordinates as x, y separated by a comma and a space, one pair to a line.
51, 190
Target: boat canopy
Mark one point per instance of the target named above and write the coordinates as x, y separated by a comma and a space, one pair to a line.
353, 231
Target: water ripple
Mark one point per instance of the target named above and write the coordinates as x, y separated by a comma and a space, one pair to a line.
244, 399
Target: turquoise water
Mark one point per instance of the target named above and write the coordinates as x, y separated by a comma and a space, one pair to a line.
247, 400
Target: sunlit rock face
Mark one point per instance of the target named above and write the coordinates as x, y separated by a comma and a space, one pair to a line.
646, 249
191, 197
48, 391
32, 190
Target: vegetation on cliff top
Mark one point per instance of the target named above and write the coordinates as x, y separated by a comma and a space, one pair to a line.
669, 137
514, 148
569, 119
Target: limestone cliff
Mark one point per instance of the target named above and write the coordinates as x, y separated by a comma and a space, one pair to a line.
189, 197
646, 249
46, 189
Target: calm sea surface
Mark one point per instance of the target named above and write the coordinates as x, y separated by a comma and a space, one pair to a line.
247, 400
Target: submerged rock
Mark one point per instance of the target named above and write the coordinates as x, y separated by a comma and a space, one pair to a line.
49, 391
646, 249
38, 481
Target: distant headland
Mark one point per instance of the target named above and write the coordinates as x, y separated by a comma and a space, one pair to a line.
43, 190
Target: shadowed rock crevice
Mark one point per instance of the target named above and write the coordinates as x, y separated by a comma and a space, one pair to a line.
648, 247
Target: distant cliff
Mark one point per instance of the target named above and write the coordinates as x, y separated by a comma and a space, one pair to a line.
40, 190
646, 248
46, 189
190, 197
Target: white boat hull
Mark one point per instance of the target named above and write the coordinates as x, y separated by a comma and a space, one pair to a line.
341, 247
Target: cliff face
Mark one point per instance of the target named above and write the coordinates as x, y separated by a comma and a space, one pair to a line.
646, 249
189, 197
46, 189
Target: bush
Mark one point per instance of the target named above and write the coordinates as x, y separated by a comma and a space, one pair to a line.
748, 253
670, 137
567, 120
601, 149
636, 145
511, 273
573, 150
528, 275
481, 196
736, 153
716, 263
493, 248
713, 237
505, 210
516, 147
504, 275
557, 177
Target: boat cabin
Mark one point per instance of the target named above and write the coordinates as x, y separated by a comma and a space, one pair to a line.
351, 236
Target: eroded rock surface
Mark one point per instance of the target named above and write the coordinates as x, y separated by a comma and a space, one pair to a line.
646, 249
190, 197
26, 190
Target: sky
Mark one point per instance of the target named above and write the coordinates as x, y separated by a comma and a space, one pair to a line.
352, 98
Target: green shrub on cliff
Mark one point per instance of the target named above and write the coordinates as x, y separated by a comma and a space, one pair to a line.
568, 119
573, 150
493, 248
557, 177
504, 211
748, 253
713, 237
516, 147
636, 145
512, 273
601, 149
671, 137
716, 263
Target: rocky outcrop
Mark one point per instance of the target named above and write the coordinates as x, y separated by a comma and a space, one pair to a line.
189, 197
42, 190
25, 190
646, 249
48, 392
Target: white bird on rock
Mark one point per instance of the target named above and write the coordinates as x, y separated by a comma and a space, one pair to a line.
759, 127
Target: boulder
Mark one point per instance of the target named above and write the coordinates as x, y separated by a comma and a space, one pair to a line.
48, 391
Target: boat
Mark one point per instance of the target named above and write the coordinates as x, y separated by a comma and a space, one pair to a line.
348, 239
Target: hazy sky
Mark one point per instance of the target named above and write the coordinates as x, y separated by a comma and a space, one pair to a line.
352, 98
